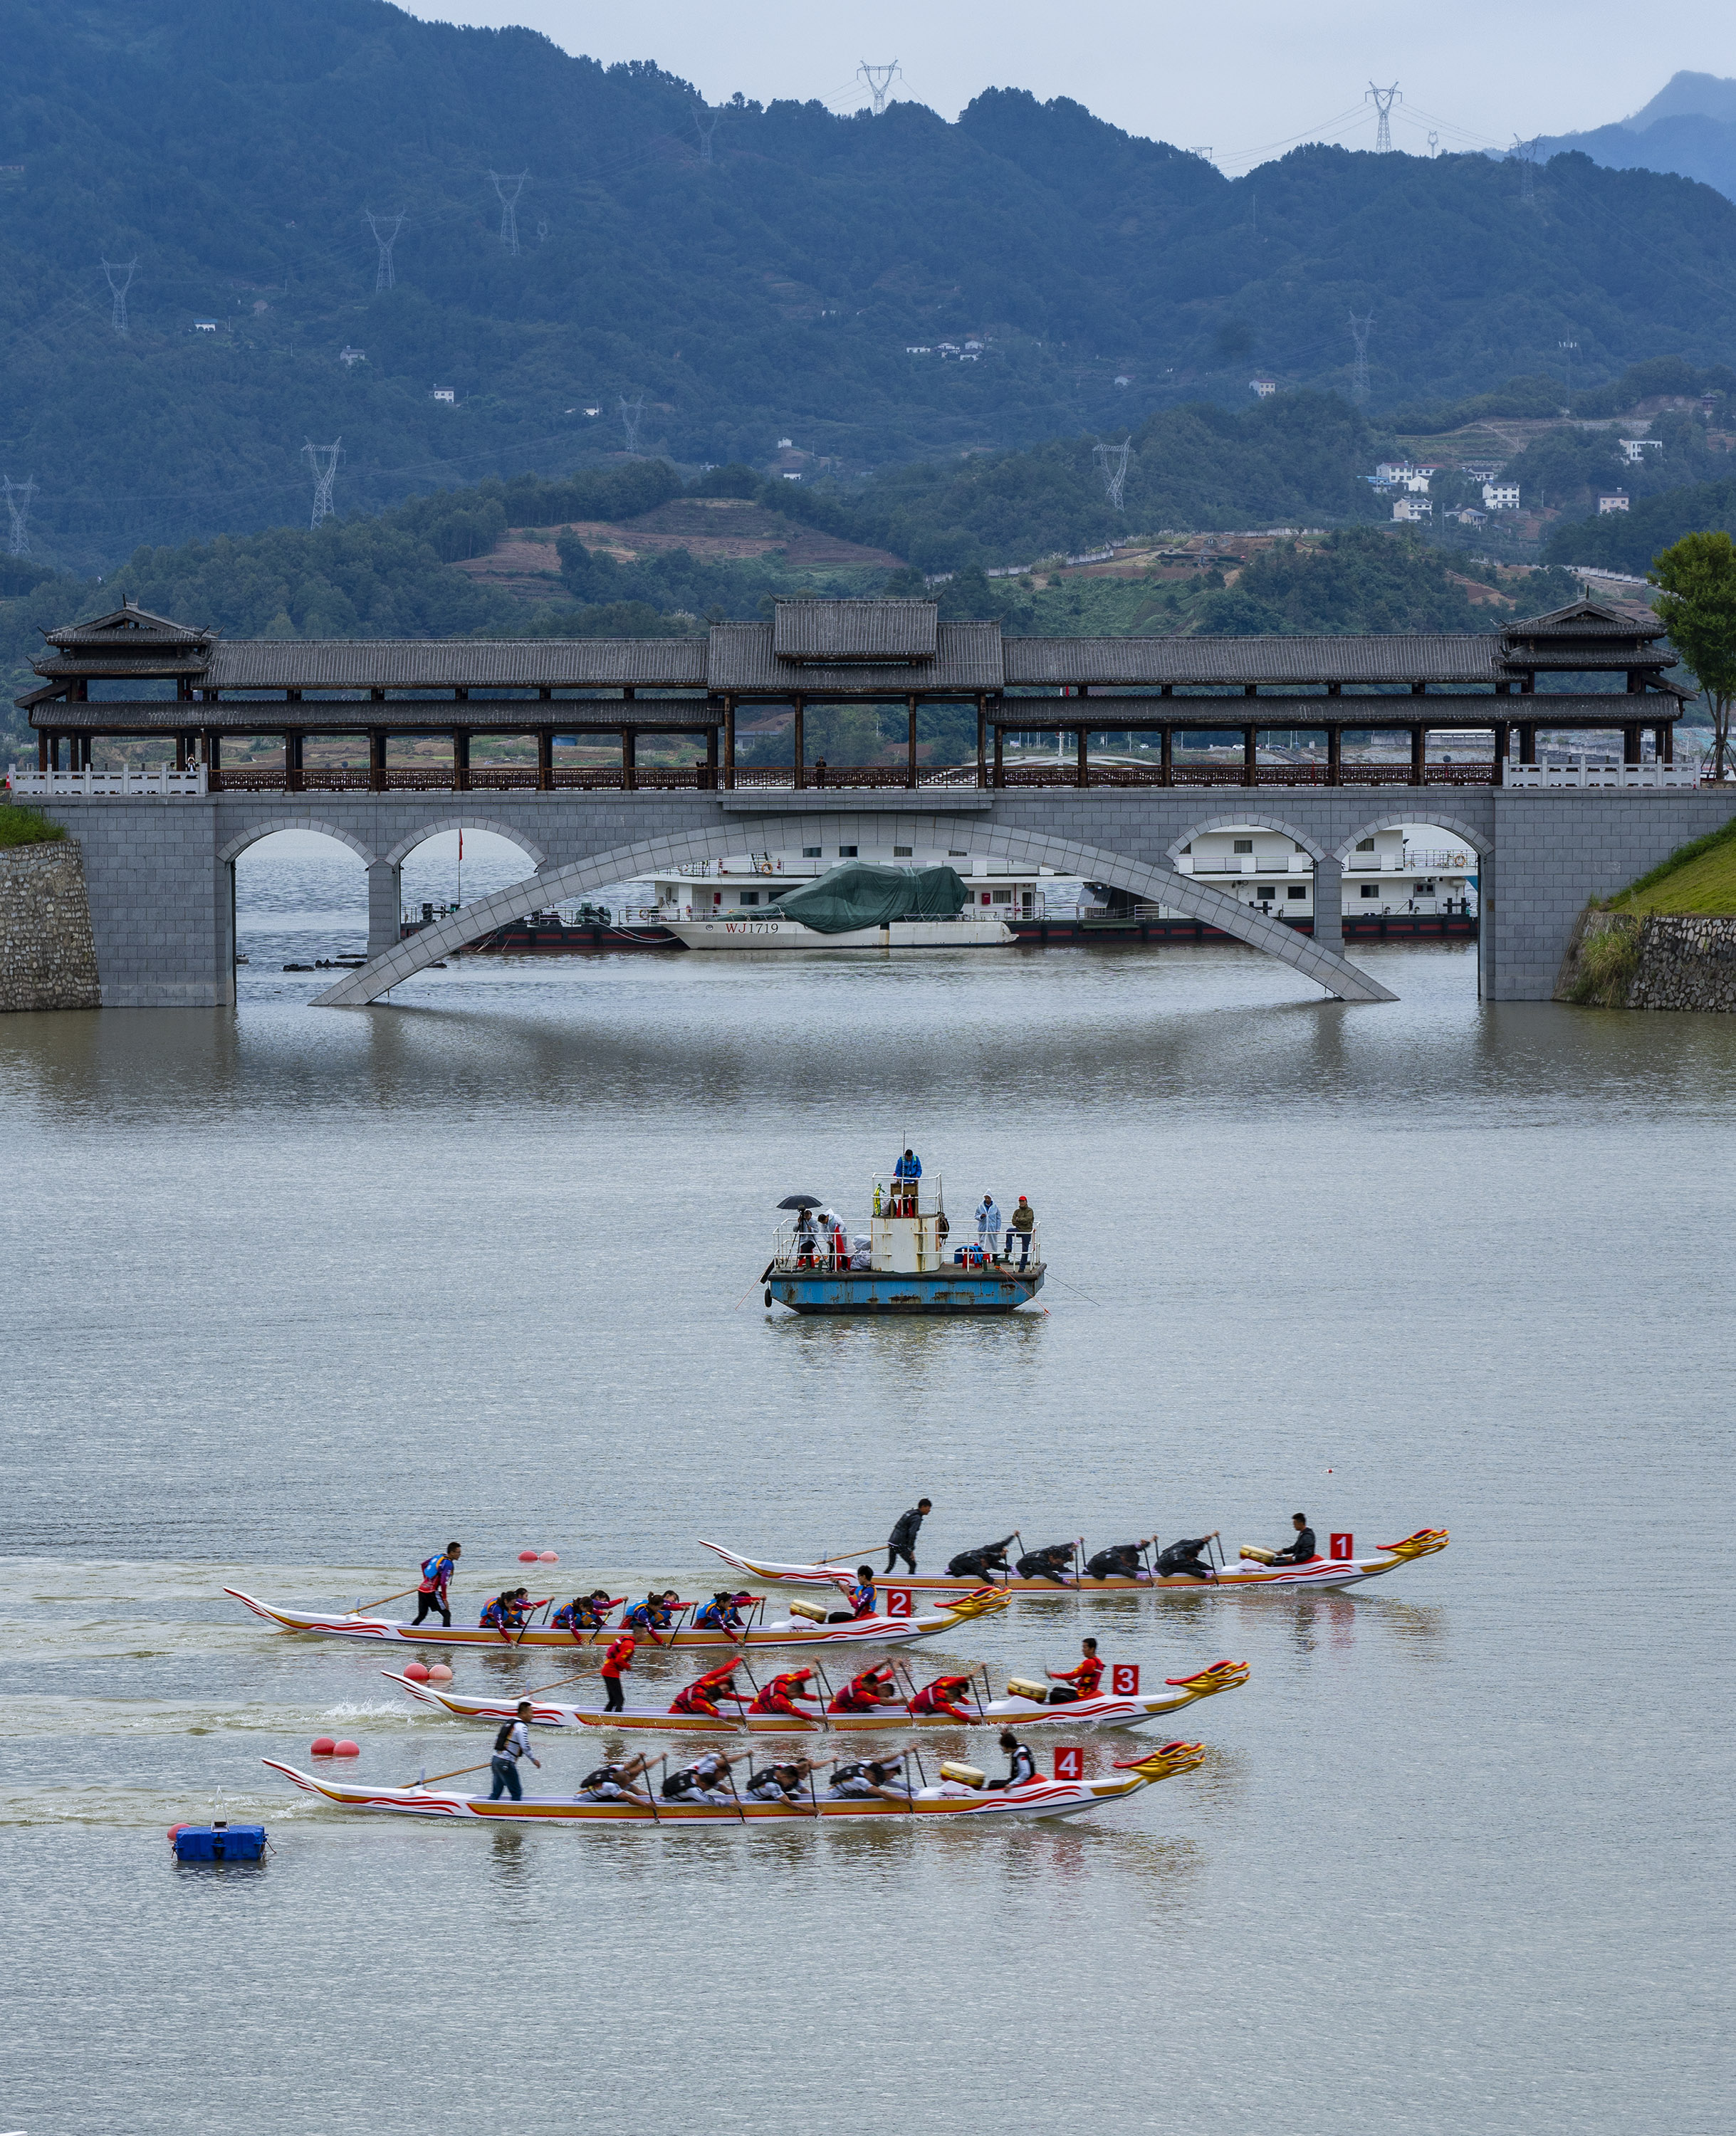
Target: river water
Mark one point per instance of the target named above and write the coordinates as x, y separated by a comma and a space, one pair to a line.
295, 1295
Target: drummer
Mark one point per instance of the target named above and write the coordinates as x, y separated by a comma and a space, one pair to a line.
859, 1594
1303, 1548
1021, 1766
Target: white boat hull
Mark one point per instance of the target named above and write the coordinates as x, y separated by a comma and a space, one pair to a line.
746, 932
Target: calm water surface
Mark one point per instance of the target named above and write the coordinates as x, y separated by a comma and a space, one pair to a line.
293, 1296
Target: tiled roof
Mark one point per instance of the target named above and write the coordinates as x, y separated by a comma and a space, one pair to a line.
1106, 714
353, 716
855, 632
475, 663
1270, 663
967, 658
127, 626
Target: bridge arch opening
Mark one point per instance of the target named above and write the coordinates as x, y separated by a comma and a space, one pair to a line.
297, 895
445, 867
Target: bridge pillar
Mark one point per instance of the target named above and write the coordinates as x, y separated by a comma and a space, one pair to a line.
385, 906
1329, 905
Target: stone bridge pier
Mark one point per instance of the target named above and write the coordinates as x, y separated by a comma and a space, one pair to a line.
162, 882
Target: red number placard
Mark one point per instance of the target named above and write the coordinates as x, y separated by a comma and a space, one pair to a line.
1123, 1679
1069, 1764
1340, 1547
898, 1602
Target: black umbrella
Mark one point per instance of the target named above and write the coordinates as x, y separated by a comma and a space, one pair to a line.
801, 1201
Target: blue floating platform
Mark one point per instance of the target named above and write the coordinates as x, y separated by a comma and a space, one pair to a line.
219, 1843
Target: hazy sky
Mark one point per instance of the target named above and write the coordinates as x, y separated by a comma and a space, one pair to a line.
1245, 79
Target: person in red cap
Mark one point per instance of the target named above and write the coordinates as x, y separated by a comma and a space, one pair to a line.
867, 1692
617, 1662
941, 1697
1021, 1225
701, 1696
781, 1692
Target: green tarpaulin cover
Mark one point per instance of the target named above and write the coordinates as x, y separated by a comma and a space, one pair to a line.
857, 894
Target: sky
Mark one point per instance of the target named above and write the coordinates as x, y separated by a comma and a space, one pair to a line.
1245, 81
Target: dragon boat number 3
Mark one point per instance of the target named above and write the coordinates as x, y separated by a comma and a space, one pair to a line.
1123, 1679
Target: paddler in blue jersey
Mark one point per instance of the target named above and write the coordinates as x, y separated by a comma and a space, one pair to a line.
654, 1614
859, 1594
722, 1613
436, 1578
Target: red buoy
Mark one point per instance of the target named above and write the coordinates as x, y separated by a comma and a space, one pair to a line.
173, 1830
526, 1557
438, 1673
323, 1746
550, 1557
345, 1748
417, 1672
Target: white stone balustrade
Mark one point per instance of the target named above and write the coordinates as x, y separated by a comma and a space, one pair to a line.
31, 785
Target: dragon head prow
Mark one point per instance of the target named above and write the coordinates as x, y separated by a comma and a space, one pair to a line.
980, 1603
1424, 1543
1163, 1763
1221, 1675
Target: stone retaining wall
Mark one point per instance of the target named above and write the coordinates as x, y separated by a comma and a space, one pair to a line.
1670, 960
47, 955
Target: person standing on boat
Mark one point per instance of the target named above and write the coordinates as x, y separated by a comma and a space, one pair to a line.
901, 1542
1182, 1560
1022, 1228
807, 1238
1302, 1548
1068, 1686
513, 1743
988, 1227
1021, 1766
617, 1662
905, 1173
436, 1578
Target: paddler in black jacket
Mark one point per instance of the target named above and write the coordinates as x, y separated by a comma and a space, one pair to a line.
1302, 1548
981, 1563
1054, 1562
901, 1542
1121, 1561
1183, 1560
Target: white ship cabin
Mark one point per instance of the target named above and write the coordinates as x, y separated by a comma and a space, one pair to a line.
1413, 868
909, 1233
750, 882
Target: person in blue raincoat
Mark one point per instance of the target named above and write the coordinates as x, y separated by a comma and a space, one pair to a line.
988, 1225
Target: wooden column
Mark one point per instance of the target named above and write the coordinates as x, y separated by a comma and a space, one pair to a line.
982, 739
1250, 756
1527, 742
545, 760
213, 747
461, 760
377, 759
1335, 756
629, 760
910, 747
1663, 741
1631, 742
799, 756
1503, 737
999, 777
729, 743
1419, 753
710, 781
292, 761
1166, 758
42, 752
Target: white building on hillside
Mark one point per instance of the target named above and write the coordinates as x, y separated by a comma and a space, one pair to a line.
1500, 495
1413, 508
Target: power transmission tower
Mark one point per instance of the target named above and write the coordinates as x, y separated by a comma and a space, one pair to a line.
384, 277
632, 415
542, 229
1112, 465
18, 495
1359, 376
705, 124
323, 461
118, 290
879, 80
1384, 99
1526, 151
508, 207
1434, 144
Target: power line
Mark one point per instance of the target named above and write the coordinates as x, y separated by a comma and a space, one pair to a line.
879, 80
632, 416
118, 290
323, 461
384, 278
1359, 376
1383, 99
508, 207
1112, 465
18, 495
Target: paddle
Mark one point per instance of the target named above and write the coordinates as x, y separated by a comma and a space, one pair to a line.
729, 1773
457, 1774
384, 1599
838, 1556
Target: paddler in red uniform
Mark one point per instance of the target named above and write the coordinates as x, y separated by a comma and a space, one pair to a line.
436, 1578
1068, 1685
700, 1696
867, 1692
617, 1662
940, 1697
781, 1692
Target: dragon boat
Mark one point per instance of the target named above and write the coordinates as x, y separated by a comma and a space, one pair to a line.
1104, 1711
1246, 1573
1034, 1799
877, 1630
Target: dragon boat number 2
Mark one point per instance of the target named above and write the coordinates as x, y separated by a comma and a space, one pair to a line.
899, 1602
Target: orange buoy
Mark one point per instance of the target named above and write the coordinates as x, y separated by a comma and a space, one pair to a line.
323, 1746
438, 1673
526, 1557
550, 1557
417, 1672
173, 1830
345, 1748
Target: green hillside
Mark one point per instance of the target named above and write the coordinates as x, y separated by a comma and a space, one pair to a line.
1699, 877
231, 146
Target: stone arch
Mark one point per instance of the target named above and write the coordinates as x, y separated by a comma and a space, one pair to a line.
1240, 820
738, 833
528, 846
254, 832
1478, 842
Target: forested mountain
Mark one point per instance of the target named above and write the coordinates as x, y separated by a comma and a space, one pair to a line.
1688, 127
1628, 541
763, 277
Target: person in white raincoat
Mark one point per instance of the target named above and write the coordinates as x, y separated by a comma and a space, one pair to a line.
988, 1225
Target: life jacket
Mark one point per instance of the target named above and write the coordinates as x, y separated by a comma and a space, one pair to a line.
619, 1656
860, 1596
1086, 1678
491, 1614
721, 1611
436, 1573
1022, 1767
601, 1778
862, 1694
937, 1697
651, 1615
780, 1693
503, 1736
581, 1614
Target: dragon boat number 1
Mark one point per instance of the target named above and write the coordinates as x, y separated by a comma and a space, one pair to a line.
1123, 1679
1070, 1764
898, 1602
1341, 1547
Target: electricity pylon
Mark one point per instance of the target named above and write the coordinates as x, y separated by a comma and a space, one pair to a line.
1112, 465
632, 415
879, 80
1359, 376
1384, 99
1526, 151
118, 290
508, 206
384, 278
323, 461
705, 124
18, 495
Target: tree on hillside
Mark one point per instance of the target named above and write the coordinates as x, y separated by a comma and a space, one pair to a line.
1698, 577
